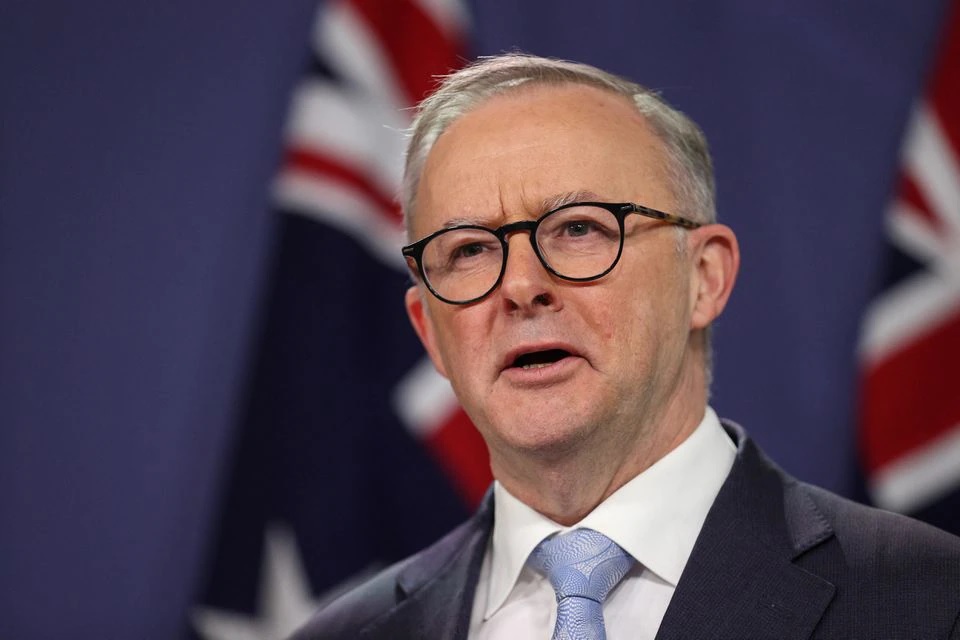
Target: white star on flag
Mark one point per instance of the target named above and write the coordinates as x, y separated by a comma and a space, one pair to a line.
285, 597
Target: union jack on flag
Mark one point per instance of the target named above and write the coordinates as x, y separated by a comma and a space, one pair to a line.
910, 350
352, 451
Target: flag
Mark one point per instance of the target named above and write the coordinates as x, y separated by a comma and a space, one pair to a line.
352, 452
910, 349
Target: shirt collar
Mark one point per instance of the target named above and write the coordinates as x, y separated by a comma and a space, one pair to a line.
656, 517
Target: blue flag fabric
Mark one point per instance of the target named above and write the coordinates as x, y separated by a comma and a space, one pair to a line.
348, 456
317, 457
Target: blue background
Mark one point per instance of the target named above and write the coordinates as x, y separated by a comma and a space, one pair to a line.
137, 140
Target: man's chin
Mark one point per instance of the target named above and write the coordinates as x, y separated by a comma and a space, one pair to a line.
546, 440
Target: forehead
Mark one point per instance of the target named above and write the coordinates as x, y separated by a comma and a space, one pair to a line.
516, 151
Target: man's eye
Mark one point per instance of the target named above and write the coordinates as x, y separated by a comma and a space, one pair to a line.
580, 228
469, 250
471, 254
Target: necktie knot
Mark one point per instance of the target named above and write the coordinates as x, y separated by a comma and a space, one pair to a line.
583, 566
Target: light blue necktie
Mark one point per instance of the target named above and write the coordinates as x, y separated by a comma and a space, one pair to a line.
583, 566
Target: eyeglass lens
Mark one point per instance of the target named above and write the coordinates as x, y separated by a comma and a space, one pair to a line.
578, 242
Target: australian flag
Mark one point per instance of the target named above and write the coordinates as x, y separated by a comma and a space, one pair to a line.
910, 351
352, 451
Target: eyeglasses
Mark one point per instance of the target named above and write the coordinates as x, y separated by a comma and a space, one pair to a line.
579, 242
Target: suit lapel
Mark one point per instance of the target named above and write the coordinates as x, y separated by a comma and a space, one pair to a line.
740, 580
436, 590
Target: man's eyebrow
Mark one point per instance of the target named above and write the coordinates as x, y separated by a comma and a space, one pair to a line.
463, 221
552, 202
547, 204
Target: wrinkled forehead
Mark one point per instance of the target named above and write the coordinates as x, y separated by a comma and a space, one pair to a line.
438, 113
514, 151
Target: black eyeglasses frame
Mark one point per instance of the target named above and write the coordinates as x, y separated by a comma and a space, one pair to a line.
620, 210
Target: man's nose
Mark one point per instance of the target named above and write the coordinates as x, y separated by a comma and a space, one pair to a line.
526, 284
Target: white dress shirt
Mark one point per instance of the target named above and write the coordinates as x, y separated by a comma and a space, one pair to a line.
656, 518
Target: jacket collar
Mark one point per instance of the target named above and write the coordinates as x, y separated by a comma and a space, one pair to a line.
436, 589
740, 580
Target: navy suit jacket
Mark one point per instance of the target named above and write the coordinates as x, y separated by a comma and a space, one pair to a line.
776, 559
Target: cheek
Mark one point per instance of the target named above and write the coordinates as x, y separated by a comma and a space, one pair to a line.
463, 340
635, 321
616, 321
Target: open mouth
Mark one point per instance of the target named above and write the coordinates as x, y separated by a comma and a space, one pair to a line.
537, 359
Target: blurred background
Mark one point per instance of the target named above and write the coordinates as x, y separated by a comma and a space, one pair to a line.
207, 381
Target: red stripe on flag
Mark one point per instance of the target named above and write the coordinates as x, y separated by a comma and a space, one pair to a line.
944, 94
912, 397
415, 45
326, 166
462, 453
911, 195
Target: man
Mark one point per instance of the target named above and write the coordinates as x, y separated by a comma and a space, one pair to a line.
568, 266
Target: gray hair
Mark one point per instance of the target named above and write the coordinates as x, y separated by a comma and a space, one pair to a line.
690, 167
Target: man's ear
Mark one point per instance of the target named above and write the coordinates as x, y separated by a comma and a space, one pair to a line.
716, 261
423, 325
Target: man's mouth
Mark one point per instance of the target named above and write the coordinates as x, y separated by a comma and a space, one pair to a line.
538, 359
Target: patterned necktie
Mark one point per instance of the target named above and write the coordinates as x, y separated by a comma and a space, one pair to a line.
583, 566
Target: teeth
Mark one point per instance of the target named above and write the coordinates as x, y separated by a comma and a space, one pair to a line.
536, 366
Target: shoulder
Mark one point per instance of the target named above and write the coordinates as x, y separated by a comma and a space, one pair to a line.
889, 542
891, 572
365, 605
352, 611
891, 575
812, 514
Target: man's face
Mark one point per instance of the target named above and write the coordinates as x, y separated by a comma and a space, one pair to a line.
612, 351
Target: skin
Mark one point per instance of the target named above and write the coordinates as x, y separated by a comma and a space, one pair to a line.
564, 437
